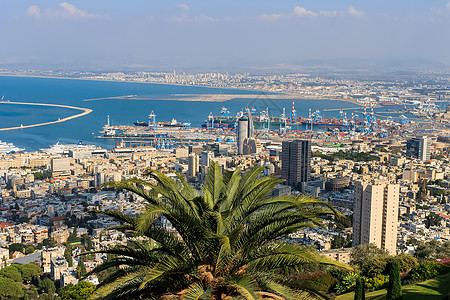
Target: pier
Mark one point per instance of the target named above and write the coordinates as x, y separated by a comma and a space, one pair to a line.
85, 111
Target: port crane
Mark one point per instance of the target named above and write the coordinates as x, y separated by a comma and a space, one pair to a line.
152, 120
293, 113
210, 121
283, 120
224, 112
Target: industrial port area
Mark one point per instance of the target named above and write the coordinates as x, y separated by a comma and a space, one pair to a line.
358, 124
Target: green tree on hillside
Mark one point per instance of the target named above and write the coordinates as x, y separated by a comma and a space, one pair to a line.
68, 254
432, 220
12, 272
359, 289
29, 250
432, 250
81, 268
80, 291
394, 290
16, 247
47, 286
29, 272
370, 259
225, 241
10, 288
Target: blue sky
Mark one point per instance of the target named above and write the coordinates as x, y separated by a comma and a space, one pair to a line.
168, 34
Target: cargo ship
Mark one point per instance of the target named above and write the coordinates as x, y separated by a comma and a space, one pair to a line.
225, 121
173, 123
334, 123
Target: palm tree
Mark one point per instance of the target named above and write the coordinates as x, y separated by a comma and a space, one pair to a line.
223, 242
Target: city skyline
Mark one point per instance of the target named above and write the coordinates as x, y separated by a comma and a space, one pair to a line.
198, 34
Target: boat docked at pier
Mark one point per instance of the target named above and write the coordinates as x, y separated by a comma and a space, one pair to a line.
59, 148
8, 148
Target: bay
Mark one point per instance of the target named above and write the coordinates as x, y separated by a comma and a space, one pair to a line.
121, 111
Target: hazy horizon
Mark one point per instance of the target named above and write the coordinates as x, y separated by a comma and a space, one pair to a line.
200, 34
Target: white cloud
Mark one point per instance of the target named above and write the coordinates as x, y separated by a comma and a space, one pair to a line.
328, 13
64, 11
34, 11
270, 18
72, 11
182, 6
354, 12
301, 11
350, 11
194, 19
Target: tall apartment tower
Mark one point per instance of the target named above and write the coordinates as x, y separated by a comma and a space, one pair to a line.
375, 215
296, 162
193, 165
244, 131
418, 148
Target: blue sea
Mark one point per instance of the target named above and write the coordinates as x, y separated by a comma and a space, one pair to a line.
121, 111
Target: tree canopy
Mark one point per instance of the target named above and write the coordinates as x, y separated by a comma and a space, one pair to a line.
370, 259
12, 272
432, 250
80, 291
29, 272
47, 286
225, 240
10, 288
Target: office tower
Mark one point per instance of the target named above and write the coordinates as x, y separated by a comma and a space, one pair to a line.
193, 165
244, 131
195, 149
418, 148
375, 215
251, 146
296, 162
205, 158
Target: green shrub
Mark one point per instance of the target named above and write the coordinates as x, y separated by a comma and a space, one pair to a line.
347, 284
377, 282
316, 281
428, 269
407, 262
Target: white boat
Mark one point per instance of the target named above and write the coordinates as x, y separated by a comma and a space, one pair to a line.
65, 148
9, 148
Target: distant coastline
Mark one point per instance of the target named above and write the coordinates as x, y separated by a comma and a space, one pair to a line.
199, 97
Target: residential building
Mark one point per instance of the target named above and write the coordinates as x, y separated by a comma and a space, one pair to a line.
375, 215
58, 265
193, 165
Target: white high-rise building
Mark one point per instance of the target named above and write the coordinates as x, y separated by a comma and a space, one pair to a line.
193, 165
375, 215
244, 131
